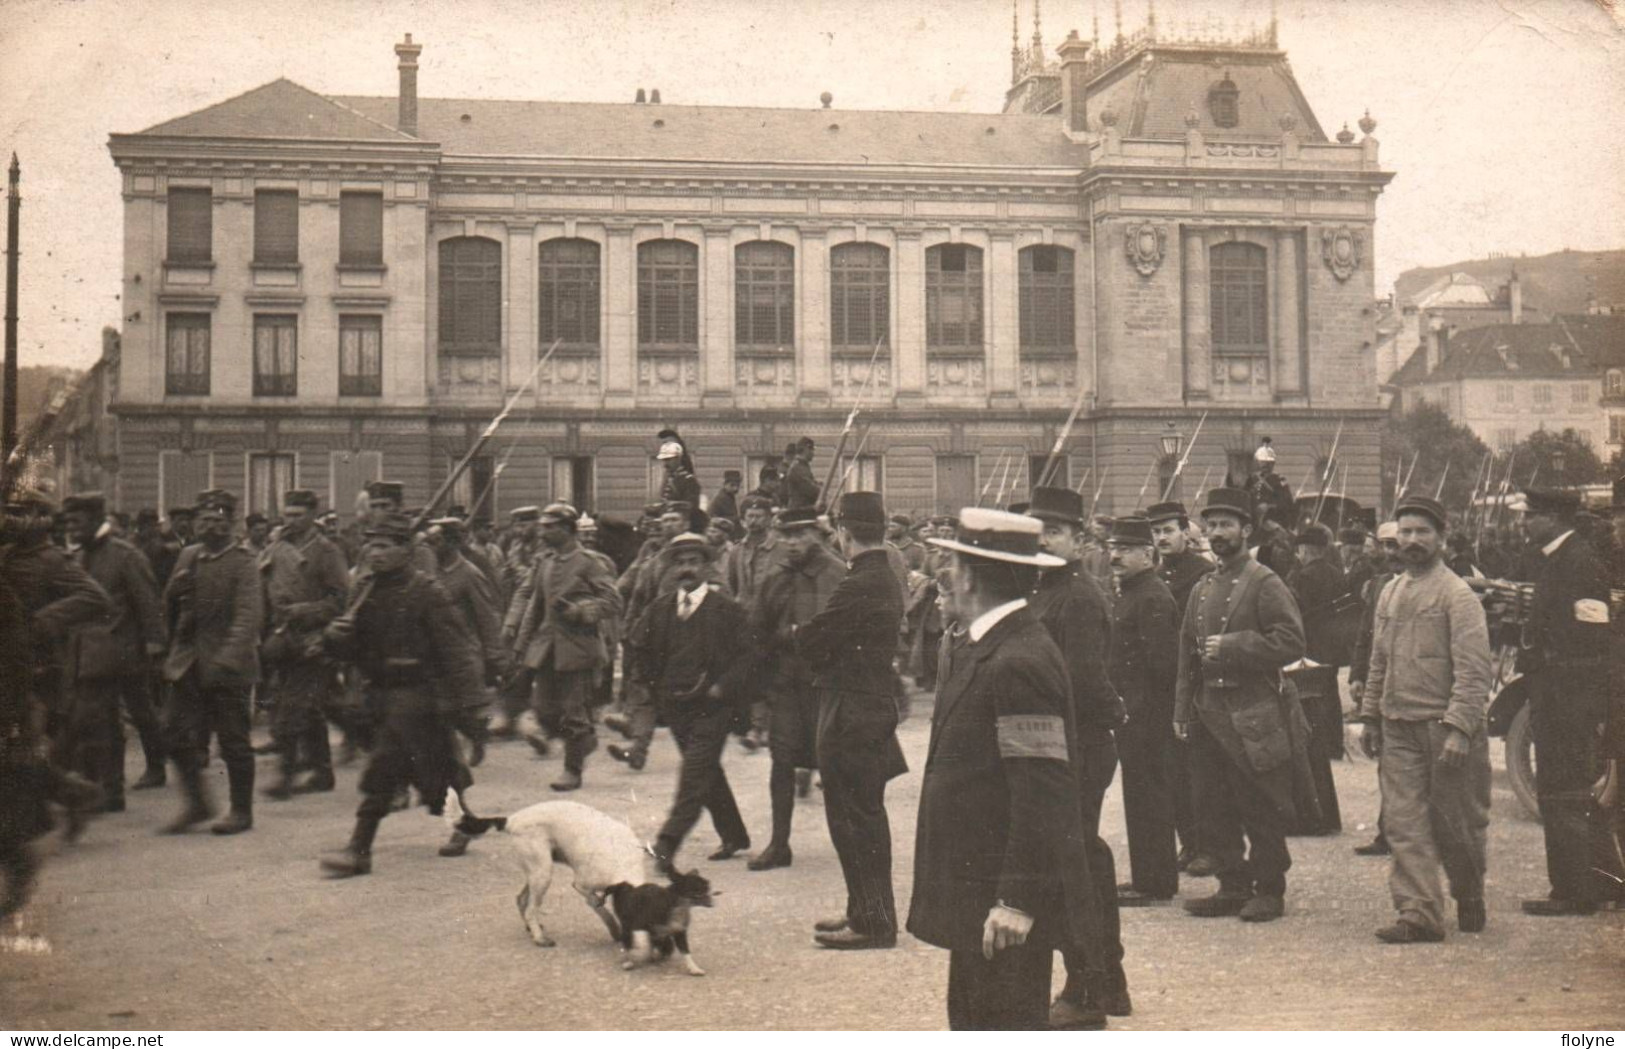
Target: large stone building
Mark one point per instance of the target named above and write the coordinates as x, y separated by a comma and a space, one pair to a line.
323, 289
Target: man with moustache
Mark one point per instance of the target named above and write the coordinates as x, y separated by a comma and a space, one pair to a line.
743, 569
1240, 629
1423, 708
796, 588
1076, 614
694, 655
1389, 564
1180, 566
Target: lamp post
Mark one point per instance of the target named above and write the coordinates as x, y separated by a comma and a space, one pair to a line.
1559, 460
1172, 442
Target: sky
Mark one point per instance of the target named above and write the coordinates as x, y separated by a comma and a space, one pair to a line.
1502, 119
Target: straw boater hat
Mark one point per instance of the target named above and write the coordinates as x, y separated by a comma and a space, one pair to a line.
995, 535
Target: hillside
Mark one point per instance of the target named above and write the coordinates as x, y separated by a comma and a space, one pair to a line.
1557, 283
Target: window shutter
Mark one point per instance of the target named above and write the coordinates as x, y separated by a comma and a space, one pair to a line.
276, 226
191, 225
361, 229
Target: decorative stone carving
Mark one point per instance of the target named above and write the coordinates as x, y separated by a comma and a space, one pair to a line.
1367, 125
669, 375
1223, 149
955, 373
1145, 245
1043, 376
1342, 249
571, 371
849, 372
1345, 136
469, 373
765, 372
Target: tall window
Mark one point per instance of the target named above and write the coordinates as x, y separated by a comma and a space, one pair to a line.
473, 484
191, 225
1613, 384
276, 355
276, 226
1046, 298
668, 294
1543, 395
953, 297
361, 355
1239, 279
1506, 393
361, 229
572, 480
470, 296
269, 475
1616, 429
568, 292
859, 296
764, 294
1580, 394
186, 356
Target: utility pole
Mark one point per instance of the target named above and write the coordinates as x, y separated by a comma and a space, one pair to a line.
8, 426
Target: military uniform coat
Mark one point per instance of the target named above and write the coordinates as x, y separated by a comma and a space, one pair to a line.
999, 818
1181, 571
305, 585
557, 610
215, 607
114, 645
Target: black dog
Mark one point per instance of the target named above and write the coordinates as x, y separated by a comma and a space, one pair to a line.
656, 917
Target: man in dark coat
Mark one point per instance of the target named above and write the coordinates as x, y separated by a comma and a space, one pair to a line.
1566, 656
694, 656
1320, 590
417, 664
1180, 566
305, 582
725, 503
849, 648
1247, 740
800, 487
1145, 630
110, 660
680, 484
214, 607
1001, 875
1076, 613
799, 584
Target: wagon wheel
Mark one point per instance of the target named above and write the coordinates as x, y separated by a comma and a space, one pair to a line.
1520, 757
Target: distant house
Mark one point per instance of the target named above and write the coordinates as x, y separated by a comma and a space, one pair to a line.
1505, 381
1454, 302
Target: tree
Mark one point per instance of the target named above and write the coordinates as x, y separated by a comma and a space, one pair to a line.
1536, 461
1441, 450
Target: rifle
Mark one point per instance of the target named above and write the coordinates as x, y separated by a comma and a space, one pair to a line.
1179, 468
1326, 476
846, 431
1150, 471
1205, 475
1060, 438
1004, 483
1439, 491
997, 467
1084, 483
852, 463
364, 588
1098, 489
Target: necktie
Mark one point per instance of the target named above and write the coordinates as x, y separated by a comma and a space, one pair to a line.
685, 604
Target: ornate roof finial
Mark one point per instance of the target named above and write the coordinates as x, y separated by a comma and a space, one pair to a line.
1151, 18
1367, 125
1038, 28
1015, 41
1345, 136
1117, 14
1274, 5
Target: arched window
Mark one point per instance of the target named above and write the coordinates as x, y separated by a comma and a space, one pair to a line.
764, 294
1239, 277
1046, 298
668, 294
470, 296
568, 292
953, 297
859, 296
1224, 103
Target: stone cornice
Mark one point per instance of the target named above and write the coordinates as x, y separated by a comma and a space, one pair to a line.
138, 151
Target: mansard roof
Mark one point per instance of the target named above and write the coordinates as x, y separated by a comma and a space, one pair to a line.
1153, 87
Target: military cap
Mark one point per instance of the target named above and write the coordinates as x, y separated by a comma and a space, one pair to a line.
677, 506
386, 490
690, 541
391, 524
1229, 501
996, 535
300, 497
255, 518
723, 525
449, 523
1056, 504
1264, 454
522, 514
795, 517
1313, 535
456, 510
560, 513
755, 502
902, 519
217, 501
1130, 531
181, 511
1158, 512
945, 519
92, 503
1351, 536
1426, 505
146, 515
587, 524
860, 508
732, 475
1551, 501
806, 442
653, 509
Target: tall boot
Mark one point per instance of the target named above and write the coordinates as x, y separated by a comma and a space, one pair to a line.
781, 789
576, 749
356, 857
241, 816
199, 807
281, 788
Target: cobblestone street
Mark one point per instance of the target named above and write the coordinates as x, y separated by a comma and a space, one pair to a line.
149, 933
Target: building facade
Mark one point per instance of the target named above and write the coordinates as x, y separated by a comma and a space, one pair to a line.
323, 290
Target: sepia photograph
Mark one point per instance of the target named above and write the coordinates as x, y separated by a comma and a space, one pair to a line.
812, 515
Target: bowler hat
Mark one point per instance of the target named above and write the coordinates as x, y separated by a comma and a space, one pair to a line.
995, 535
795, 517
860, 508
1131, 531
92, 503
1229, 501
386, 490
300, 497
1157, 512
1056, 504
1314, 535
1551, 501
1426, 505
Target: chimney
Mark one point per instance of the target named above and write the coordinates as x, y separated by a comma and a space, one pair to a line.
1515, 293
1435, 346
641, 98
408, 52
1074, 54
654, 96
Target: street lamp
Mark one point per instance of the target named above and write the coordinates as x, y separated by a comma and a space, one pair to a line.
1171, 442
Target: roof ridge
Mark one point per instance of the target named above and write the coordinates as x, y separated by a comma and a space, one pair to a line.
276, 82
225, 101
705, 105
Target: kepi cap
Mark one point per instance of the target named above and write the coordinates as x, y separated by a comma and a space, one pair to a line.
1130, 531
